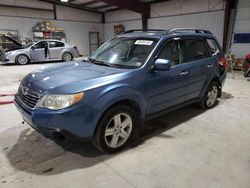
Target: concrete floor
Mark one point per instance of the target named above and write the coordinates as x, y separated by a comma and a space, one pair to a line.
186, 148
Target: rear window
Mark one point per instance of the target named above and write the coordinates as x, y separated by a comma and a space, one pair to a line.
212, 47
54, 44
194, 49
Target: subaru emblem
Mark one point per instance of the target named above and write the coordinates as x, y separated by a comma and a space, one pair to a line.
24, 90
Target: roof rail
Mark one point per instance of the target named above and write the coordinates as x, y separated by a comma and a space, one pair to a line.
179, 30
148, 30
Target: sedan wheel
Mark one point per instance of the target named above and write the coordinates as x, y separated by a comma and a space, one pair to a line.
22, 60
67, 57
118, 130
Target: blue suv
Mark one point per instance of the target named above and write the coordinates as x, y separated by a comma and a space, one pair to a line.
130, 79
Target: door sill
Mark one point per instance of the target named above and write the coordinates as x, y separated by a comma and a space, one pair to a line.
163, 112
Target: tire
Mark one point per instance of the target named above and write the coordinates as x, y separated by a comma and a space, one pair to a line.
115, 130
22, 59
247, 73
209, 100
67, 56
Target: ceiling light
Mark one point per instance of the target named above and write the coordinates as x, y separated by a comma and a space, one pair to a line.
65, 1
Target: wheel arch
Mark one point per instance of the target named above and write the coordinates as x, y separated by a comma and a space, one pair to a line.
214, 79
66, 51
127, 102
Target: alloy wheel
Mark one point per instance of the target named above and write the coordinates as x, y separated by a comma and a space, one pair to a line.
22, 60
118, 130
67, 57
212, 96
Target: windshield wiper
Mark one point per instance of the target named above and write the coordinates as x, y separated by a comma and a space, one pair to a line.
97, 62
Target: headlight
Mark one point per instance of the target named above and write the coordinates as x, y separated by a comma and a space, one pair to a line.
7, 53
56, 102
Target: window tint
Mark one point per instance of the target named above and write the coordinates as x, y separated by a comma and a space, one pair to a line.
172, 52
194, 49
41, 44
54, 44
212, 47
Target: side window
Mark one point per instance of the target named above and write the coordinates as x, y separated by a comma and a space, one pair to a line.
172, 52
212, 47
54, 44
194, 49
40, 45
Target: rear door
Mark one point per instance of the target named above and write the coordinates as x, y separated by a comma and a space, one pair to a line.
168, 88
55, 49
200, 65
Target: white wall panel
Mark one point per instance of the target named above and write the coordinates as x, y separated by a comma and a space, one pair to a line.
67, 13
212, 21
63, 13
28, 3
178, 7
77, 32
242, 25
22, 12
121, 15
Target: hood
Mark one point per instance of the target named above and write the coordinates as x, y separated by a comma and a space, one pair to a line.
18, 44
18, 50
15, 49
71, 77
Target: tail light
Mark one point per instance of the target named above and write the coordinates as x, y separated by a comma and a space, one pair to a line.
75, 47
223, 61
248, 56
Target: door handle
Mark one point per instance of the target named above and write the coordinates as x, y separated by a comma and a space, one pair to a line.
184, 73
210, 65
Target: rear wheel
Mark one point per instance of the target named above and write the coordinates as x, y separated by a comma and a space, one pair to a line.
22, 59
115, 129
209, 100
247, 73
67, 56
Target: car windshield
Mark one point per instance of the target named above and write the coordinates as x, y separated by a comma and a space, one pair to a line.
29, 44
124, 52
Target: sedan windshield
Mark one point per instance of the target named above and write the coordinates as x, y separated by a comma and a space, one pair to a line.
29, 44
123, 52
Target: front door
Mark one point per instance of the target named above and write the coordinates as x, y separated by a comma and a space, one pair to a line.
37, 52
168, 88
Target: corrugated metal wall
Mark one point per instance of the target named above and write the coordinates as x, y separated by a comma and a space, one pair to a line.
242, 25
212, 21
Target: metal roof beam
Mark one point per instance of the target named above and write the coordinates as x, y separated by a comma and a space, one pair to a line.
133, 5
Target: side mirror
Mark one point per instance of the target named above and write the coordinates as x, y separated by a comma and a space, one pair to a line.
162, 65
32, 48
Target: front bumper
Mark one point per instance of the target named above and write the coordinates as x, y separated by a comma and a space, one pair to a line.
74, 123
4, 59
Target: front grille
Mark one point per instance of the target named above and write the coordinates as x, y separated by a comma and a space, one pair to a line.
47, 132
28, 98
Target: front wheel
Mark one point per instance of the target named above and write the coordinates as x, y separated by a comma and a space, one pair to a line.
209, 100
115, 129
22, 59
67, 57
